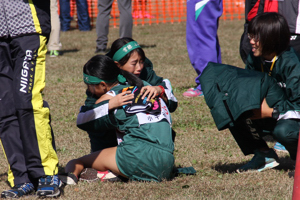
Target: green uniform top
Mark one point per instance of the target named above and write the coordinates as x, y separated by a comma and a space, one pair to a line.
286, 71
148, 75
141, 126
104, 139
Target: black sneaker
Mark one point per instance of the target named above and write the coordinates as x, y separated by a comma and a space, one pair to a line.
260, 162
49, 186
18, 191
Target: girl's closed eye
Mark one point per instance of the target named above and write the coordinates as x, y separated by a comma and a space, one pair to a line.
134, 62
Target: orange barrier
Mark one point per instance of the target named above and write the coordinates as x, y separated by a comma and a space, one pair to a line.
159, 11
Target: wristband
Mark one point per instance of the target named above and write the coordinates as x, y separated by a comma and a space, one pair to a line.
275, 113
162, 90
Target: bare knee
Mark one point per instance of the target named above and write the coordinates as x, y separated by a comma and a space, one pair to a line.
75, 166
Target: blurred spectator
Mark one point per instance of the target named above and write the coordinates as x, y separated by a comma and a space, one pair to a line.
140, 10
102, 24
54, 44
82, 15
201, 37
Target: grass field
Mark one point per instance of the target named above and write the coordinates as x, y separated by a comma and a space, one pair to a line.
214, 154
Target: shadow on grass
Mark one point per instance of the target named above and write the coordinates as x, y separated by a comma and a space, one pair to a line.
62, 52
227, 167
3, 177
61, 169
285, 163
148, 46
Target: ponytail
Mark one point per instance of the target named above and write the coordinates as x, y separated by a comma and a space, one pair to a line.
132, 79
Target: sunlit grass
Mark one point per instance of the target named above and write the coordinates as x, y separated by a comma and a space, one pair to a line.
214, 154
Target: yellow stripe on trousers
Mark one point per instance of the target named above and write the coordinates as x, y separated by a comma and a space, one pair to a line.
42, 114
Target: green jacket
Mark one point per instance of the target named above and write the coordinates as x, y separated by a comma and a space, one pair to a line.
286, 72
148, 75
231, 91
103, 139
146, 127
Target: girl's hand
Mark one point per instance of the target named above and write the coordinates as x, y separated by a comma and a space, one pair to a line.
264, 112
120, 100
151, 91
103, 98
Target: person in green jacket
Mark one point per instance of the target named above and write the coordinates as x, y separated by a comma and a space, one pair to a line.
143, 69
269, 37
263, 98
146, 152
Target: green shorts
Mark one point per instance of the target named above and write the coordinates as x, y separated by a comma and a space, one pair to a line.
140, 160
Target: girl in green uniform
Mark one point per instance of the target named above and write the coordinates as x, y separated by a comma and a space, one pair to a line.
142, 69
269, 37
134, 61
146, 152
240, 99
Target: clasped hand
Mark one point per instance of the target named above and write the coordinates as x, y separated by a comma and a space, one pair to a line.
263, 112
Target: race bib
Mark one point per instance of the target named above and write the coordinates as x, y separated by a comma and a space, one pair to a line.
145, 118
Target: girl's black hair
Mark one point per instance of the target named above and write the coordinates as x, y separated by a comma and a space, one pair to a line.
104, 67
272, 31
117, 44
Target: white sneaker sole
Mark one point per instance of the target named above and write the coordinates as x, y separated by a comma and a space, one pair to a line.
268, 166
67, 180
47, 193
280, 150
265, 167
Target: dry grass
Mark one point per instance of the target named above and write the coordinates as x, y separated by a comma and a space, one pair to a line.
214, 154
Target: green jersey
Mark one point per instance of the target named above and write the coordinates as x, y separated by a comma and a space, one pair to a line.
147, 145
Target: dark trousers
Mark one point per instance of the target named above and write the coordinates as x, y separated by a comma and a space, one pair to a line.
82, 14
248, 134
25, 130
102, 24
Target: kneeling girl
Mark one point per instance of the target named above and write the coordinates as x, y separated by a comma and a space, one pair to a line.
146, 152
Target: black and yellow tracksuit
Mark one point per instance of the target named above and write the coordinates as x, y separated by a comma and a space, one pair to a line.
25, 130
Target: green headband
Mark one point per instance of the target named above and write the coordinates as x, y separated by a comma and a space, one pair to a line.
95, 80
124, 50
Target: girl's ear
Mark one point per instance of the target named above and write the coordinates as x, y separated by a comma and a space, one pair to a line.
103, 84
118, 64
